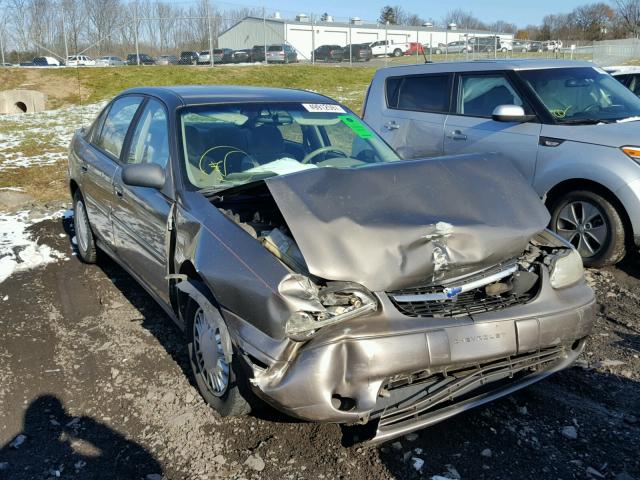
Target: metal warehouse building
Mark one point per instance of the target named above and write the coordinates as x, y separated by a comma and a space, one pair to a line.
305, 36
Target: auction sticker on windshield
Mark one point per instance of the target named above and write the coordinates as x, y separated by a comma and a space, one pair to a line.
323, 108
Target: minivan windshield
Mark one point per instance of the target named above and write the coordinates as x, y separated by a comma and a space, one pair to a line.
228, 145
582, 95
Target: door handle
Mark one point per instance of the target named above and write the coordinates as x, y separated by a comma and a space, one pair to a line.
119, 192
457, 135
391, 125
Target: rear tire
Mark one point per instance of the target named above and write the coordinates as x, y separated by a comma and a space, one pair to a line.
591, 223
230, 399
397, 52
87, 251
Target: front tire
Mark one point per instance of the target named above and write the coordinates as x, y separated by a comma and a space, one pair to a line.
85, 240
592, 224
222, 384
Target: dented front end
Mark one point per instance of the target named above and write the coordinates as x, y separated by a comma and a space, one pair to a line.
382, 299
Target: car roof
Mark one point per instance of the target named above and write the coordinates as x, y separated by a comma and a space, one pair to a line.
208, 94
483, 65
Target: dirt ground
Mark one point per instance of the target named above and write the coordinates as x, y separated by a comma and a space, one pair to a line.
94, 383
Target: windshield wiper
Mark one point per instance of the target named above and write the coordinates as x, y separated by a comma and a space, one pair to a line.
584, 121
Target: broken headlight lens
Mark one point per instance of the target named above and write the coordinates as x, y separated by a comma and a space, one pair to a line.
339, 302
566, 269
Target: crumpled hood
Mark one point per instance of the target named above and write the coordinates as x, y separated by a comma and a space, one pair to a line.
608, 134
401, 224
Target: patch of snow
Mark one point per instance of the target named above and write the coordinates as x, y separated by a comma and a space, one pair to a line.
52, 129
18, 250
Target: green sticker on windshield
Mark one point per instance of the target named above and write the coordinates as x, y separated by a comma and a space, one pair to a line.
356, 125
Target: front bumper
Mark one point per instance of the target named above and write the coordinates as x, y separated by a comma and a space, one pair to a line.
342, 374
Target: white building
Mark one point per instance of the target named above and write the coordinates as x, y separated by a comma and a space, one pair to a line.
305, 36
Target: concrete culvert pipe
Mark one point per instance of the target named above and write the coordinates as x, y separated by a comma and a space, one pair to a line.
22, 101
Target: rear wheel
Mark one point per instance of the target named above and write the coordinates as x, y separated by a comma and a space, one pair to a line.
84, 235
397, 52
222, 384
592, 224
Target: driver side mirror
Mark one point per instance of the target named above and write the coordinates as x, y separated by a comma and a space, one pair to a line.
510, 113
150, 175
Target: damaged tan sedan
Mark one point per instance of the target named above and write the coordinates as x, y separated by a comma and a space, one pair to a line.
312, 267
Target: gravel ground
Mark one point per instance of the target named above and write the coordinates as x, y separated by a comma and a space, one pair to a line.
94, 384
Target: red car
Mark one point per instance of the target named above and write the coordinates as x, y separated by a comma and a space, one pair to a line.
415, 47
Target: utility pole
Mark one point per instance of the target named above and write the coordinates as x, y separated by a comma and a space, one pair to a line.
135, 31
211, 63
64, 36
2, 44
264, 32
350, 46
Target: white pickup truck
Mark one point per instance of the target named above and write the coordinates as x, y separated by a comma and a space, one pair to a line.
388, 47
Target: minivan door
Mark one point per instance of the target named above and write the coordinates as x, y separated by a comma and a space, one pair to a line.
470, 129
141, 214
412, 118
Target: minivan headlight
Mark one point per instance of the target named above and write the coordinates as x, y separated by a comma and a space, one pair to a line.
323, 306
566, 269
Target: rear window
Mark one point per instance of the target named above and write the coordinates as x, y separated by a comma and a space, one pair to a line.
422, 93
275, 48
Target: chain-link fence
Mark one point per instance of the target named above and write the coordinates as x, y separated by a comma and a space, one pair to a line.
113, 32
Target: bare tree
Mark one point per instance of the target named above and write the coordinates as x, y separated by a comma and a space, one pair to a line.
629, 13
464, 19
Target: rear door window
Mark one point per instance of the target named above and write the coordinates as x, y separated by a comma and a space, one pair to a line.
479, 95
420, 93
117, 124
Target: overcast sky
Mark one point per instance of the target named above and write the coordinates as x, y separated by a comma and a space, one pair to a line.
519, 12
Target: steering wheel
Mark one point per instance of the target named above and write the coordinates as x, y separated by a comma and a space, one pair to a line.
307, 158
220, 165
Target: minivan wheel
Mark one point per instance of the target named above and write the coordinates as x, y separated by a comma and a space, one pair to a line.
592, 224
222, 384
84, 235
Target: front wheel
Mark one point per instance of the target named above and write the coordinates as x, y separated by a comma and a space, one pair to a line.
84, 235
222, 383
592, 224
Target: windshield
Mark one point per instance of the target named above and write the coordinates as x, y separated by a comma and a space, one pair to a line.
582, 95
227, 145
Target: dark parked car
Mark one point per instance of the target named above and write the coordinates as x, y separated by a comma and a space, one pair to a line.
242, 56
222, 55
357, 52
536, 47
141, 59
257, 53
188, 58
281, 53
312, 267
328, 53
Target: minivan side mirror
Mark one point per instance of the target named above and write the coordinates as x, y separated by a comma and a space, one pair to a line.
510, 113
149, 175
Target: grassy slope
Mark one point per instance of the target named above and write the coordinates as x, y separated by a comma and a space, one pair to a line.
102, 83
347, 85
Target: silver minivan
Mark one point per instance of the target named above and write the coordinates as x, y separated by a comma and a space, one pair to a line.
570, 128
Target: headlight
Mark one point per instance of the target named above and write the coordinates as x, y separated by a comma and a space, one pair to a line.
566, 269
632, 152
323, 306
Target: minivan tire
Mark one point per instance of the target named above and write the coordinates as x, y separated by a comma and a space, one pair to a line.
234, 401
614, 248
87, 250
